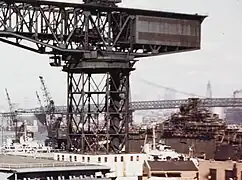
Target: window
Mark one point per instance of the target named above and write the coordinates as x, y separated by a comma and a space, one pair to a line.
213, 174
115, 159
229, 174
83, 159
122, 159
70, 158
105, 159
58, 157
131, 158
137, 158
75, 158
88, 159
99, 159
173, 174
63, 157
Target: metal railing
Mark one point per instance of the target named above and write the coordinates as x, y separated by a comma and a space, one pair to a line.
40, 165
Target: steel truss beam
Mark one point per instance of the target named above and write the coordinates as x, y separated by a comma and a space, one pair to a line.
49, 27
153, 105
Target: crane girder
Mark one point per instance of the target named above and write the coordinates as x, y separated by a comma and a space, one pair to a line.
82, 30
162, 104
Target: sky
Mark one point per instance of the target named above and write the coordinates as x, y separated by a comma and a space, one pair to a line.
219, 59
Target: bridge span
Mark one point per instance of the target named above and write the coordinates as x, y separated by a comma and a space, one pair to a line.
155, 105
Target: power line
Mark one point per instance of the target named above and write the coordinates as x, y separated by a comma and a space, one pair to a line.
167, 88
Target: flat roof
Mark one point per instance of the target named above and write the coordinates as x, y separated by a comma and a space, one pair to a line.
30, 164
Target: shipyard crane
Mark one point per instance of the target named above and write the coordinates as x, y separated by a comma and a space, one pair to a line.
50, 105
12, 113
40, 103
52, 122
236, 92
97, 38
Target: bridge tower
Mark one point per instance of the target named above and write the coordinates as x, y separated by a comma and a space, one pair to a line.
209, 90
97, 44
209, 93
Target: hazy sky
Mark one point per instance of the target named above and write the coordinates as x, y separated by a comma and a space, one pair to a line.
219, 60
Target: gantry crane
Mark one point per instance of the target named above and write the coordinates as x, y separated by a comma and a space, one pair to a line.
97, 38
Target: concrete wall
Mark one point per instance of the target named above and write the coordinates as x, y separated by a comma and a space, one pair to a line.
220, 166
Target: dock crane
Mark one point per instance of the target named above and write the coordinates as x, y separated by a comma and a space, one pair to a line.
13, 114
40, 103
50, 105
52, 122
236, 92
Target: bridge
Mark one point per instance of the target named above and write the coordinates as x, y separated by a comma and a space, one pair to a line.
155, 105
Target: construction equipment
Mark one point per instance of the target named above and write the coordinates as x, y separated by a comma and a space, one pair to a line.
13, 115
50, 105
236, 92
97, 38
40, 103
56, 132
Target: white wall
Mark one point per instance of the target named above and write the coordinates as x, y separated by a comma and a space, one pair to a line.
123, 165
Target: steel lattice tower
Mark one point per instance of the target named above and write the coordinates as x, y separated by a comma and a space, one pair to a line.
97, 44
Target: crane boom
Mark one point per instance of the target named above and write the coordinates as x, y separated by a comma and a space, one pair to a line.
13, 114
40, 103
9, 101
50, 106
45, 90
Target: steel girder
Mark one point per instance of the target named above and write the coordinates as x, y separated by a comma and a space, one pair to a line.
155, 105
88, 31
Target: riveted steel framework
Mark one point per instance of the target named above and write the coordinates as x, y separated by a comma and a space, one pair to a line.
106, 115
88, 39
162, 104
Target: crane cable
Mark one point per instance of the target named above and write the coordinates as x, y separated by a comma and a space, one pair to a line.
168, 88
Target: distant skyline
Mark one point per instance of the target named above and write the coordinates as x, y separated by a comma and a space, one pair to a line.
219, 60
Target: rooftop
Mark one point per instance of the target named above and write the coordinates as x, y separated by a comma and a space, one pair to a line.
172, 166
25, 163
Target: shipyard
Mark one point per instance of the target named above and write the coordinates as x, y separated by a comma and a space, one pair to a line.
82, 83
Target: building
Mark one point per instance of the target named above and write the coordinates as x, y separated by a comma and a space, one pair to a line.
26, 168
177, 170
122, 166
220, 170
